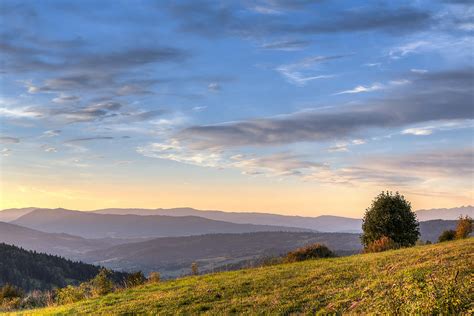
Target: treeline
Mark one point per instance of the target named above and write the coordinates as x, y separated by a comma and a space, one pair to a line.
30, 270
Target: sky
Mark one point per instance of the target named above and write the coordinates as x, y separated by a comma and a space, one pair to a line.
291, 107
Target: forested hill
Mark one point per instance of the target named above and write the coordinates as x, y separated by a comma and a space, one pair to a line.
30, 270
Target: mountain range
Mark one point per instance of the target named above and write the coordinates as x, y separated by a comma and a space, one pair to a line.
93, 225
324, 223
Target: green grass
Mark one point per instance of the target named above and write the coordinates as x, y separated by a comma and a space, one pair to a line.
420, 280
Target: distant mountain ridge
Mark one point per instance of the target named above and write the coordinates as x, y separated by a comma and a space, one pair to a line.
324, 223
93, 225
445, 213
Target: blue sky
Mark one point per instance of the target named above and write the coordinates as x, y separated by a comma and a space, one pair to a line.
161, 104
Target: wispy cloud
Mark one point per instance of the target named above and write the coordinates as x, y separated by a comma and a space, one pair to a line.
360, 89
286, 45
9, 140
51, 133
303, 71
432, 97
87, 139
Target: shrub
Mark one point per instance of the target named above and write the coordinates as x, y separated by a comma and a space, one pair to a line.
135, 279
194, 269
447, 235
37, 299
383, 244
71, 294
101, 283
10, 297
154, 277
9, 291
390, 215
464, 227
309, 252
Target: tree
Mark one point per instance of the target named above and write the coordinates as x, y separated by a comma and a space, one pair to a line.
390, 215
101, 283
447, 235
464, 227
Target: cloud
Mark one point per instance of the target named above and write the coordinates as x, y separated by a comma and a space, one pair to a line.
21, 58
209, 19
437, 96
89, 113
407, 170
408, 48
442, 126
444, 43
66, 98
9, 140
87, 139
286, 45
338, 148
214, 87
418, 71
175, 152
359, 89
358, 141
444, 163
51, 133
278, 164
374, 87
20, 112
49, 149
5, 152
417, 131
396, 20
301, 72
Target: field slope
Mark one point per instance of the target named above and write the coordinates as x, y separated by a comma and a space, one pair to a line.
424, 279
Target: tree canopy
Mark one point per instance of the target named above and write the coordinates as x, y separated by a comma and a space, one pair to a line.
390, 215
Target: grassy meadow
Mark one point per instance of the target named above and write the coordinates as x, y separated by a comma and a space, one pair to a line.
423, 279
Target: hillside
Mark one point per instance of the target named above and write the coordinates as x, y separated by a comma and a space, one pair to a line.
406, 281
172, 256
51, 243
91, 225
30, 270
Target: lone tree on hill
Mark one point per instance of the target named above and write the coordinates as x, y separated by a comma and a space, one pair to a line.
390, 215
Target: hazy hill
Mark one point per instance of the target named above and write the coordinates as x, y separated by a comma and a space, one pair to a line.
30, 270
408, 281
445, 213
52, 243
92, 225
325, 223
173, 256
11, 214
